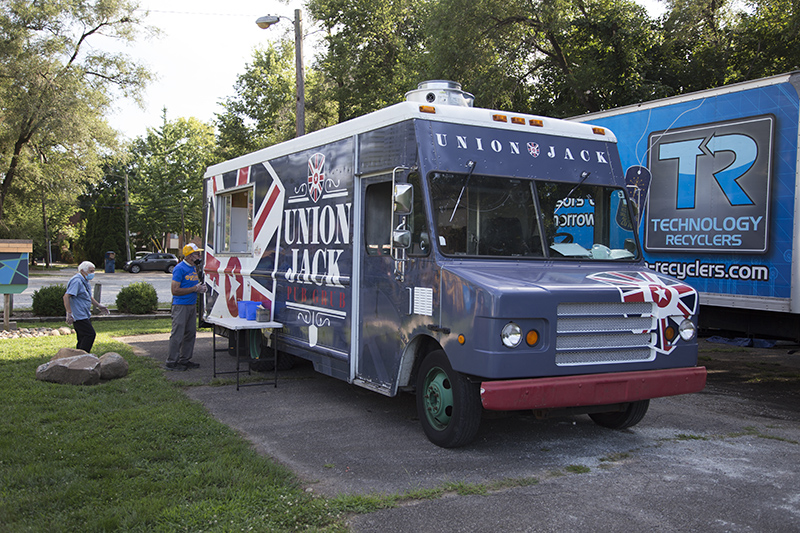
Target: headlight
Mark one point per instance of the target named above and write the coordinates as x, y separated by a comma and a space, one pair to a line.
687, 330
511, 335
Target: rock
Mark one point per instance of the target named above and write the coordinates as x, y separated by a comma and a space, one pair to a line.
65, 330
113, 366
75, 370
67, 352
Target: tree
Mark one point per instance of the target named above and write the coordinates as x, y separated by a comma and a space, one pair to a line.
374, 48
262, 112
55, 87
768, 40
695, 46
553, 57
166, 185
104, 217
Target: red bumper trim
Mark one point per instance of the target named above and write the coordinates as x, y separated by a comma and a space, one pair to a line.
590, 389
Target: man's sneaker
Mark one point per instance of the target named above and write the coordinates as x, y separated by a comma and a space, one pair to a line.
175, 366
190, 365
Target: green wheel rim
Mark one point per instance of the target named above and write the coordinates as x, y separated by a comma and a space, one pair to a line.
438, 398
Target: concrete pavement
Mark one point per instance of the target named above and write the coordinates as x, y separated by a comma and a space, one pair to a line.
713, 461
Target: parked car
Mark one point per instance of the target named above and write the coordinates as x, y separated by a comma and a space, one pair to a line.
153, 261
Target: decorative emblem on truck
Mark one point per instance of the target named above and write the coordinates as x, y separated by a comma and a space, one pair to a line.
673, 299
533, 149
316, 176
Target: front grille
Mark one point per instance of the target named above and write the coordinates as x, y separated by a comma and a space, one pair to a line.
591, 333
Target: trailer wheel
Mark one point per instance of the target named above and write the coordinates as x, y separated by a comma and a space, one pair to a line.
631, 416
448, 404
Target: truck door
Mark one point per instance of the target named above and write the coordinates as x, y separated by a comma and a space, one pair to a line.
388, 279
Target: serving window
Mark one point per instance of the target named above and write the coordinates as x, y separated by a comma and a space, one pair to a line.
234, 221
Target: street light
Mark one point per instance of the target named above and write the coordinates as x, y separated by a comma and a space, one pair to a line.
267, 21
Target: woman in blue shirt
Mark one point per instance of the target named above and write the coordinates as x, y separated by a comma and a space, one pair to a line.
78, 302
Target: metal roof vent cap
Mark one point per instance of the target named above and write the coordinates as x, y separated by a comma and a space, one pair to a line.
440, 92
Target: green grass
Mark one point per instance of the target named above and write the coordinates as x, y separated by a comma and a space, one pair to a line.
133, 454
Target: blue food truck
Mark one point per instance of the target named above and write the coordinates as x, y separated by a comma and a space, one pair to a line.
484, 260
714, 174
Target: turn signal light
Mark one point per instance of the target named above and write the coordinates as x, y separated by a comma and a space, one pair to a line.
532, 337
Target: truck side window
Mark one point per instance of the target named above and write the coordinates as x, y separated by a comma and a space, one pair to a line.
418, 221
234, 231
378, 218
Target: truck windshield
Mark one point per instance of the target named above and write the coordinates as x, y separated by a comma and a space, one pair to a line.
509, 217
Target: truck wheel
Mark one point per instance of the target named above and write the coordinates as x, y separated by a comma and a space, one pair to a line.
631, 416
448, 404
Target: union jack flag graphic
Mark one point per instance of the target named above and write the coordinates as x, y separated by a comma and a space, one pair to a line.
316, 176
674, 300
229, 277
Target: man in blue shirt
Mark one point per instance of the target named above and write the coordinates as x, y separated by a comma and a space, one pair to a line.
185, 288
78, 302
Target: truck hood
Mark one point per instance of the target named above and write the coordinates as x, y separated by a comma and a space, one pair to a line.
512, 289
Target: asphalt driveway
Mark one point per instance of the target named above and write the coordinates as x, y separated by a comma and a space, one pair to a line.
725, 459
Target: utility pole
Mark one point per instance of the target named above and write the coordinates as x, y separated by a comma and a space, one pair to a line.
127, 232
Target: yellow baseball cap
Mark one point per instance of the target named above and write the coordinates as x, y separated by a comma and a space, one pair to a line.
190, 249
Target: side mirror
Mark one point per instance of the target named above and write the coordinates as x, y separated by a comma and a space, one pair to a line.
403, 198
401, 238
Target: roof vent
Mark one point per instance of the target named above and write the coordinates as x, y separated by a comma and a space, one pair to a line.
440, 92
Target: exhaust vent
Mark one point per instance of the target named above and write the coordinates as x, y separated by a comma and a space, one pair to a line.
440, 92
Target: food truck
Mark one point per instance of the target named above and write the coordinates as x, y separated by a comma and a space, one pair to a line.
483, 260
715, 175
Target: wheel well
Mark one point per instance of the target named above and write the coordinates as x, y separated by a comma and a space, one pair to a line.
413, 355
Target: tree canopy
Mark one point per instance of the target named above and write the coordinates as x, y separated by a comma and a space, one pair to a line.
55, 89
166, 182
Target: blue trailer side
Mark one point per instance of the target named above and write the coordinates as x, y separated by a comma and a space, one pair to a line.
716, 173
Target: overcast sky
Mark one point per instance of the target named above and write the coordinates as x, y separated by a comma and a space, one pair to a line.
204, 46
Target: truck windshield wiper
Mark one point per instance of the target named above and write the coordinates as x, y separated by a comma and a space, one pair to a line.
471, 165
585, 174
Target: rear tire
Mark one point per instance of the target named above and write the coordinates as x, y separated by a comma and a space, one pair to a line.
631, 416
448, 404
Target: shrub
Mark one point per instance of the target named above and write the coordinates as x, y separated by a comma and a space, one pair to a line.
137, 298
49, 301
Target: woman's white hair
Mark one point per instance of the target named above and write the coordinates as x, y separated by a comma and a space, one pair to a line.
85, 266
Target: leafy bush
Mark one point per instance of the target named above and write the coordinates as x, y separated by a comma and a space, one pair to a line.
137, 299
49, 301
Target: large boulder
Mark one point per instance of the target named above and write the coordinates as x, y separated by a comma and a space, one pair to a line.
113, 366
67, 352
82, 369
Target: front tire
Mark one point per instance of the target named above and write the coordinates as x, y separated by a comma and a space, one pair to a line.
448, 404
631, 416
135, 269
